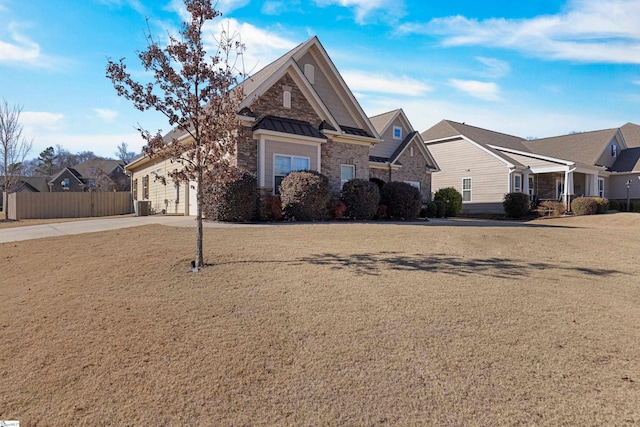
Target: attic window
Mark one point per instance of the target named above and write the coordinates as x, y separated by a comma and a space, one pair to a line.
411, 151
286, 99
397, 132
614, 150
309, 72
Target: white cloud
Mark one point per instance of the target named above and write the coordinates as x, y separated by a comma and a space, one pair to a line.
384, 83
105, 114
101, 144
41, 120
20, 49
495, 67
133, 4
587, 31
363, 9
636, 82
483, 90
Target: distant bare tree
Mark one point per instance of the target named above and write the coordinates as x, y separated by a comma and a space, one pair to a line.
122, 153
195, 92
13, 148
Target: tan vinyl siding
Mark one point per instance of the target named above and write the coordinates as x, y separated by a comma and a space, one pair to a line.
162, 197
615, 187
327, 93
389, 145
606, 159
462, 159
287, 149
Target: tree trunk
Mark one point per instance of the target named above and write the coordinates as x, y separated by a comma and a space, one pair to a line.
199, 257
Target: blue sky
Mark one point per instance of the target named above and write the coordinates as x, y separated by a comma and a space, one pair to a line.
532, 68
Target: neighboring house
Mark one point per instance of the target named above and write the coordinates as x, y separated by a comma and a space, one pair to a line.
28, 184
402, 154
92, 175
485, 165
300, 115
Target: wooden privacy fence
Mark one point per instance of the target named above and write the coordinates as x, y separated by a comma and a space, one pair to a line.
69, 205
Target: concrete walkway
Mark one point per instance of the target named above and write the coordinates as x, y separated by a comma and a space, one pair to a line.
15, 234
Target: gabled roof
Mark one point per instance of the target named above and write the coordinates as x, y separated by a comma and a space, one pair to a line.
584, 147
294, 127
261, 81
72, 171
628, 160
107, 166
486, 139
631, 134
382, 121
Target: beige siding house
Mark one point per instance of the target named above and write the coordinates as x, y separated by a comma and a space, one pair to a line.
485, 165
298, 114
402, 154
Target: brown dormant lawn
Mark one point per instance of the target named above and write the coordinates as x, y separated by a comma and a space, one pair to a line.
326, 324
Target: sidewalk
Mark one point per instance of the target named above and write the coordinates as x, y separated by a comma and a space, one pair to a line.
15, 234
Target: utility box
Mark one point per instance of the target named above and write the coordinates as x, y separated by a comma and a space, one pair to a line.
142, 207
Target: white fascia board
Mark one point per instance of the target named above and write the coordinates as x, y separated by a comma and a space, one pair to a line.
549, 169
296, 139
532, 155
245, 119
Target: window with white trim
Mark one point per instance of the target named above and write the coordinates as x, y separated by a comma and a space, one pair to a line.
282, 165
413, 184
601, 187
65, 183
531, 185
397, 132
559, 189
466, 189
517, 183
614, 150
347, 173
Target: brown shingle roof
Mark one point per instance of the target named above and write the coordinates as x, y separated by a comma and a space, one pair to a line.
381, 121
584, 147
631, 134
628, 160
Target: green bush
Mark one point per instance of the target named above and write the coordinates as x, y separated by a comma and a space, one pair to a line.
377, 181
305, 196
516, 204
452, 200
635, 207
603, 204
614, 205
429, 210
403, 200
551, 208
232, 197
441, 208
361, 199
584, 206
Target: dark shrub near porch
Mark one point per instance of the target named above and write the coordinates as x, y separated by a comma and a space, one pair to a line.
305, 196
403, 200
233, 198
452, 200
361, 199
516, 205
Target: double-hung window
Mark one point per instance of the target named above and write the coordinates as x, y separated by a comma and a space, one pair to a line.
466, 189
347, 173
601, 187
517, 183
282, 165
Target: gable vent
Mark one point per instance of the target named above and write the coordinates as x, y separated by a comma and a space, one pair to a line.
309, 72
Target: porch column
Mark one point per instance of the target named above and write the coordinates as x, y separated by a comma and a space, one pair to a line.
525, 183
594, 185
568, 187
261, 162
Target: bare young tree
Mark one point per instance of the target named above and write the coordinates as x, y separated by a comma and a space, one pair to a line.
198, 94
122, 153
13, 149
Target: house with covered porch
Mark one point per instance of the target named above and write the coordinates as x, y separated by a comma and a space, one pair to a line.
484, 165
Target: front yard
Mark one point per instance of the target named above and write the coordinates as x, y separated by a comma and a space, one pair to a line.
327, 324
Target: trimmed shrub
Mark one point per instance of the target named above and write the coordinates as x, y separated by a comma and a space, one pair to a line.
337, 209
431, 210
441, 208
516, 204
551, 208
233, 198
584, 206
361, 199
377, 181
382, 212
403, 200
272, 208
305, 196
452, 200
614, 205
603, 204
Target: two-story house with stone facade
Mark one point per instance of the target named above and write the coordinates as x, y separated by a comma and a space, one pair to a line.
300, 115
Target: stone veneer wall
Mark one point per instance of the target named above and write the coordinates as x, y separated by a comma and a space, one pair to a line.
414, 169
270, 103
335, 154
